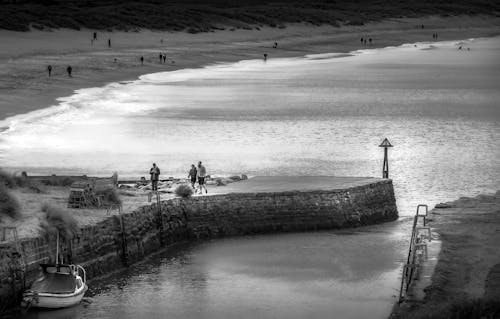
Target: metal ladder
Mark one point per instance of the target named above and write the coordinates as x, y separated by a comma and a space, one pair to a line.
416, 251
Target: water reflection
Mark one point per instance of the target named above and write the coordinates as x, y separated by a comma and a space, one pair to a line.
353, 274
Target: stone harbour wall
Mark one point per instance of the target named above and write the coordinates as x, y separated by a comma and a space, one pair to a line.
127, 238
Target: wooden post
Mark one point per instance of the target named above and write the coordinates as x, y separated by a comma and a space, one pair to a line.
160, 217
124, 241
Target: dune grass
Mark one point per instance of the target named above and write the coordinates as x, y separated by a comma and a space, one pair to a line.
58, 220
9, 206
13, 181
201, 16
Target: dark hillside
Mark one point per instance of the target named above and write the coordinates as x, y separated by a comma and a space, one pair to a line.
201, 16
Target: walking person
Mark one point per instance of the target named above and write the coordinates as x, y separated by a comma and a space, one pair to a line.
95, 36
161, 57
142, 60
165, 58
69, 69
202, 173
49, 69
155, 176
109, 43
193, 173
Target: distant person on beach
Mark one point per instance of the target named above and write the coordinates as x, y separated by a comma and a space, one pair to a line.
165, 58
362, 40
109, 43
265, 56
142, 60
95, 36
422, 26
370, 40
202, 173
69, 69
193, 173
49, 69
155, 176
161, 57
275, 45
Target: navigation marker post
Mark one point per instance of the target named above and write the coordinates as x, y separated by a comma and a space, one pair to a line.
385, 168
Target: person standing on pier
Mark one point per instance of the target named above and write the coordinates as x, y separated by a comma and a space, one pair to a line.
155, 176
202, 173
193, 173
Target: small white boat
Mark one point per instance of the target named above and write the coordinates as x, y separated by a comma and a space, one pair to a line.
59, 286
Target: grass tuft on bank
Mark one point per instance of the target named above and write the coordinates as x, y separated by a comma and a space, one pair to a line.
58, 220
458, 309
9, 206
184, 191
110, 196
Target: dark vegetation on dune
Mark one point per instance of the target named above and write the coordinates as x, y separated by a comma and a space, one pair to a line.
203, 16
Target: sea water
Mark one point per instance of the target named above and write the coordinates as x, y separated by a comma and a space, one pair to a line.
314, 115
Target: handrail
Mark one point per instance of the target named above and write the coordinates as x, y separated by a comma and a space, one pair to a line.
411, 266
83, 271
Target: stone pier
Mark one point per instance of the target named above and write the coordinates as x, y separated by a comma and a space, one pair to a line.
254, 206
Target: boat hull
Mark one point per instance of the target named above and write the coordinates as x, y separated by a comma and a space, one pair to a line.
54, 301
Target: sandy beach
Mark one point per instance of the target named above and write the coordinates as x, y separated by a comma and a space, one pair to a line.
25, 85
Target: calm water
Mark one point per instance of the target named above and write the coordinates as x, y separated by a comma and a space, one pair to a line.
317, 115
334, 274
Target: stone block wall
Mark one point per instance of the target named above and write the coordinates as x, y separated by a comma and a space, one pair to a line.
121, 240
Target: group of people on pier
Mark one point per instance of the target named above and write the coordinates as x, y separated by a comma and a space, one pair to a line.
196, 174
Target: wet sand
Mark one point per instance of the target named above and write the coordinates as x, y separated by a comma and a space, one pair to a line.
469, 259
25, 85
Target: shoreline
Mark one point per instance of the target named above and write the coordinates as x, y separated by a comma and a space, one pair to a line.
26, 87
